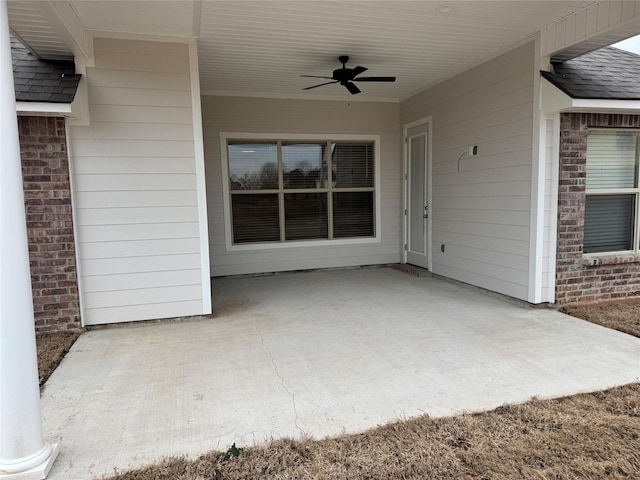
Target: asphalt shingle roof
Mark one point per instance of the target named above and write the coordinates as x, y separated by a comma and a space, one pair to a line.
604, 74
42, 80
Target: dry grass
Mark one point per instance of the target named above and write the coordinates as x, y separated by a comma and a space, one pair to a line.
622, 317
587, 436
52, 347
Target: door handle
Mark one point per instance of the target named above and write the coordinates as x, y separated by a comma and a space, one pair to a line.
426, 212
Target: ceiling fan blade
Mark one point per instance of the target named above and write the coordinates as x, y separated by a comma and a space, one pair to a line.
375, 79
316, 76
352, 88
358, 70
321, 85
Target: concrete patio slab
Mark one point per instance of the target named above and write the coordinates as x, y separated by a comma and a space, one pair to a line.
314, 353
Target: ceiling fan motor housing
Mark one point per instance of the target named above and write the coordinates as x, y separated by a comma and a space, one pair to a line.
343, 75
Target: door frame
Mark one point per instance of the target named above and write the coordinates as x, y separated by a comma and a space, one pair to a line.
428, 122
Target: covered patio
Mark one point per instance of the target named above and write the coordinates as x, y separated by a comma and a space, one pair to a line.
314, 353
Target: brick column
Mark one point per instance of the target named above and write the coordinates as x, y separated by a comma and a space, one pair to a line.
47, 195
579, 278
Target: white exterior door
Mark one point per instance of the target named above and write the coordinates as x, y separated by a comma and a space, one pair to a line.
417, 202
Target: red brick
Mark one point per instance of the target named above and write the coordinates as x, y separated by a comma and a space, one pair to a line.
579, 280
45, 170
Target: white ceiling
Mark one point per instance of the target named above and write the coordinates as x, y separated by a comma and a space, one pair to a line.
261, 47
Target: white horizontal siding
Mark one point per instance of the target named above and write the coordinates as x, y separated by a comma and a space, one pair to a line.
135, 198
125, 265
145, 62
128, 79
137, 131
135, 185
137, 248
134, 281
148, 215
134, 181
481, 205
147, 311
255, 115
141, 114
137, 231
131, 165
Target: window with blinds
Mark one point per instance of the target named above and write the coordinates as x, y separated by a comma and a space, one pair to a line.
284, 191
610, 220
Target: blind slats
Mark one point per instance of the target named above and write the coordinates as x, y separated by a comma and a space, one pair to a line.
611, 159
608, 223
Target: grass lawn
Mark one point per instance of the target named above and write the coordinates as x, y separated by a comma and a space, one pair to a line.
587, 436
52, 347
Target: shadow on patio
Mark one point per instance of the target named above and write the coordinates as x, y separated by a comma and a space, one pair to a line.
318, 353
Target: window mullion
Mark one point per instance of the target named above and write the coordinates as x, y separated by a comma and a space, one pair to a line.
329, 192
281, 193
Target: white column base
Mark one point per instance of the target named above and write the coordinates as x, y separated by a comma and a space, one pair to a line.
39, 472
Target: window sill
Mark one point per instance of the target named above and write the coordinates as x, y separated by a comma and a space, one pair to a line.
614, 259
300, 243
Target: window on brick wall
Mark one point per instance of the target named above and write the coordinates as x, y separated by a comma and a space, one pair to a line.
291, 190
612, 203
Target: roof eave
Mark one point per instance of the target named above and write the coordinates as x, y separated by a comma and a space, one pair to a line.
554, 100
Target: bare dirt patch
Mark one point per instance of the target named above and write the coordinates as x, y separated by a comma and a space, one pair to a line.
624, 317
52, 347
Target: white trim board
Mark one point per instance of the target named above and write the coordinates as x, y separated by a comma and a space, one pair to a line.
230, 247
201, 184
44, 109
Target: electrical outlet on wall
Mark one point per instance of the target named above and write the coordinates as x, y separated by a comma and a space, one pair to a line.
473, 150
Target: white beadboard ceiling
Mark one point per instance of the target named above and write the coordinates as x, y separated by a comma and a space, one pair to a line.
261, 47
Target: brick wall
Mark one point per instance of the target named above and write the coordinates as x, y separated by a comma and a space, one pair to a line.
45, 171
582, 279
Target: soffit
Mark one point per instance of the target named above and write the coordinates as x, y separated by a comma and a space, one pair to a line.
261, 47
35, 31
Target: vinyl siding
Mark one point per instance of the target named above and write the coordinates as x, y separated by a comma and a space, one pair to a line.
286, 116
481, 212
135, 185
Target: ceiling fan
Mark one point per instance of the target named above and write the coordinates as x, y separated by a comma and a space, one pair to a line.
346, 76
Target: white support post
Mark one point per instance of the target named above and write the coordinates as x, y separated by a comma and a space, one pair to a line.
23, 452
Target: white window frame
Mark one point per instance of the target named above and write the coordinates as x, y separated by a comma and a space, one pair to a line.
377, 226
619, 191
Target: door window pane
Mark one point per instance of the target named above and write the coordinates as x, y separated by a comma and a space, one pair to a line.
253, 166
352, 164
611, 159
608, 223
305, 216
417, 211
304, 165
256, 218
352, 214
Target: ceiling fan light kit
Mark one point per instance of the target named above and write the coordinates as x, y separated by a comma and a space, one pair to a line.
346, 76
